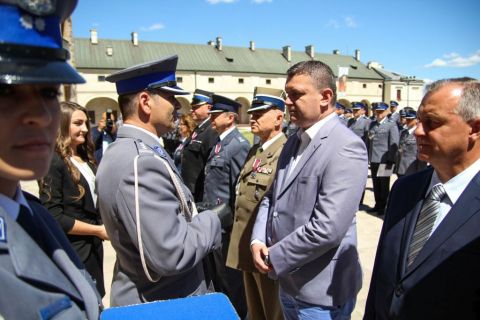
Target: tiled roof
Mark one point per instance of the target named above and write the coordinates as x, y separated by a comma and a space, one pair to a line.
197, 57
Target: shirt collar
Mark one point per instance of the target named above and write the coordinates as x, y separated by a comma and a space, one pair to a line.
411, 130
226, 132
313, 130
143, 130
271, 141
456, 185
12, 206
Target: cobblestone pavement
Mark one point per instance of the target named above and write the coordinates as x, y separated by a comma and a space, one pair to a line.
368, 227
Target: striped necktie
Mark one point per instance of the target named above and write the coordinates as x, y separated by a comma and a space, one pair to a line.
425, 222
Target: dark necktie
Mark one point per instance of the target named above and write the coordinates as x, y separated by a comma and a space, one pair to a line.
29, 223
425, 222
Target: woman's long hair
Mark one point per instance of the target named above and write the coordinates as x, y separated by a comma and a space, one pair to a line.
62, 145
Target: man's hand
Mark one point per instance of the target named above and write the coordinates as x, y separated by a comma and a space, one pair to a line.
260, 256
102, 124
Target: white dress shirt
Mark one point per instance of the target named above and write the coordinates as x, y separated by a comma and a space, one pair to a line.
454, 189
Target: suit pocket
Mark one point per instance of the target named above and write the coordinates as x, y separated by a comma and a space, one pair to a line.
218, 163
304, 198
195, 146
256, 187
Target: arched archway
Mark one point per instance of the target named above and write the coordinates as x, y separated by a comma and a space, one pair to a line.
185, 105
97, 106
243, 117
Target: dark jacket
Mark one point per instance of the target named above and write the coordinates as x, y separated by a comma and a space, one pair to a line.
194, 158
59, 195
444, 280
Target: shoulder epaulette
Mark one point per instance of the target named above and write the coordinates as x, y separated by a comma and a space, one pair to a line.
142, 148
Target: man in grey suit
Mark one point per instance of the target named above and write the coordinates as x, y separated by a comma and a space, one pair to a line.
148, 212
221, 173
41, 276
305, 231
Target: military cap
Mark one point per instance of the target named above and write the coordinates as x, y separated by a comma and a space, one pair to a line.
265, 98
410, 114
201, 97
224, 104
158, 75
338, 105
31, 49
381, 106
402, 113
348, 110
358, 105
393, 103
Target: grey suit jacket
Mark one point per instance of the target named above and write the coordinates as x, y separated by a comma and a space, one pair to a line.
308, 218
172, 246
222, 169
52, 282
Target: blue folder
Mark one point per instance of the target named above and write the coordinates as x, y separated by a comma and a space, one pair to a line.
209, 307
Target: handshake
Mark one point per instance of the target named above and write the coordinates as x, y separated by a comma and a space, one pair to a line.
223, 211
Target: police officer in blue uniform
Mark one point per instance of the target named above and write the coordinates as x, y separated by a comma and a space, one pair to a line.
394, 115
221, 173
202, 140
359, 124
408, 161
41, 276
383, 145
149, 214
340, 111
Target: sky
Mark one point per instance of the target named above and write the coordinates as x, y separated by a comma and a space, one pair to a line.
428, 39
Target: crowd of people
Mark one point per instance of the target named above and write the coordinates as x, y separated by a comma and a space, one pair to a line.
272, 226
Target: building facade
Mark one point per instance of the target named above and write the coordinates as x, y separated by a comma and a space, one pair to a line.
230, 71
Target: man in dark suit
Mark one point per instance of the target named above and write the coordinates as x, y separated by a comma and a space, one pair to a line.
104, 134
428, 257
196, 152
305, 232
40, 274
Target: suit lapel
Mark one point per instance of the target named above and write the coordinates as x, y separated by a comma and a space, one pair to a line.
309, 151
31, 262
285, 162
466, 206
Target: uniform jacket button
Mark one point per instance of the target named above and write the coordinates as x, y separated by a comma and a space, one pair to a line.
399, 290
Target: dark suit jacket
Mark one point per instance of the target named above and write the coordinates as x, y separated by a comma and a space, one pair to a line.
48, 283
98, 137
59, 197
194, 158
444, 280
